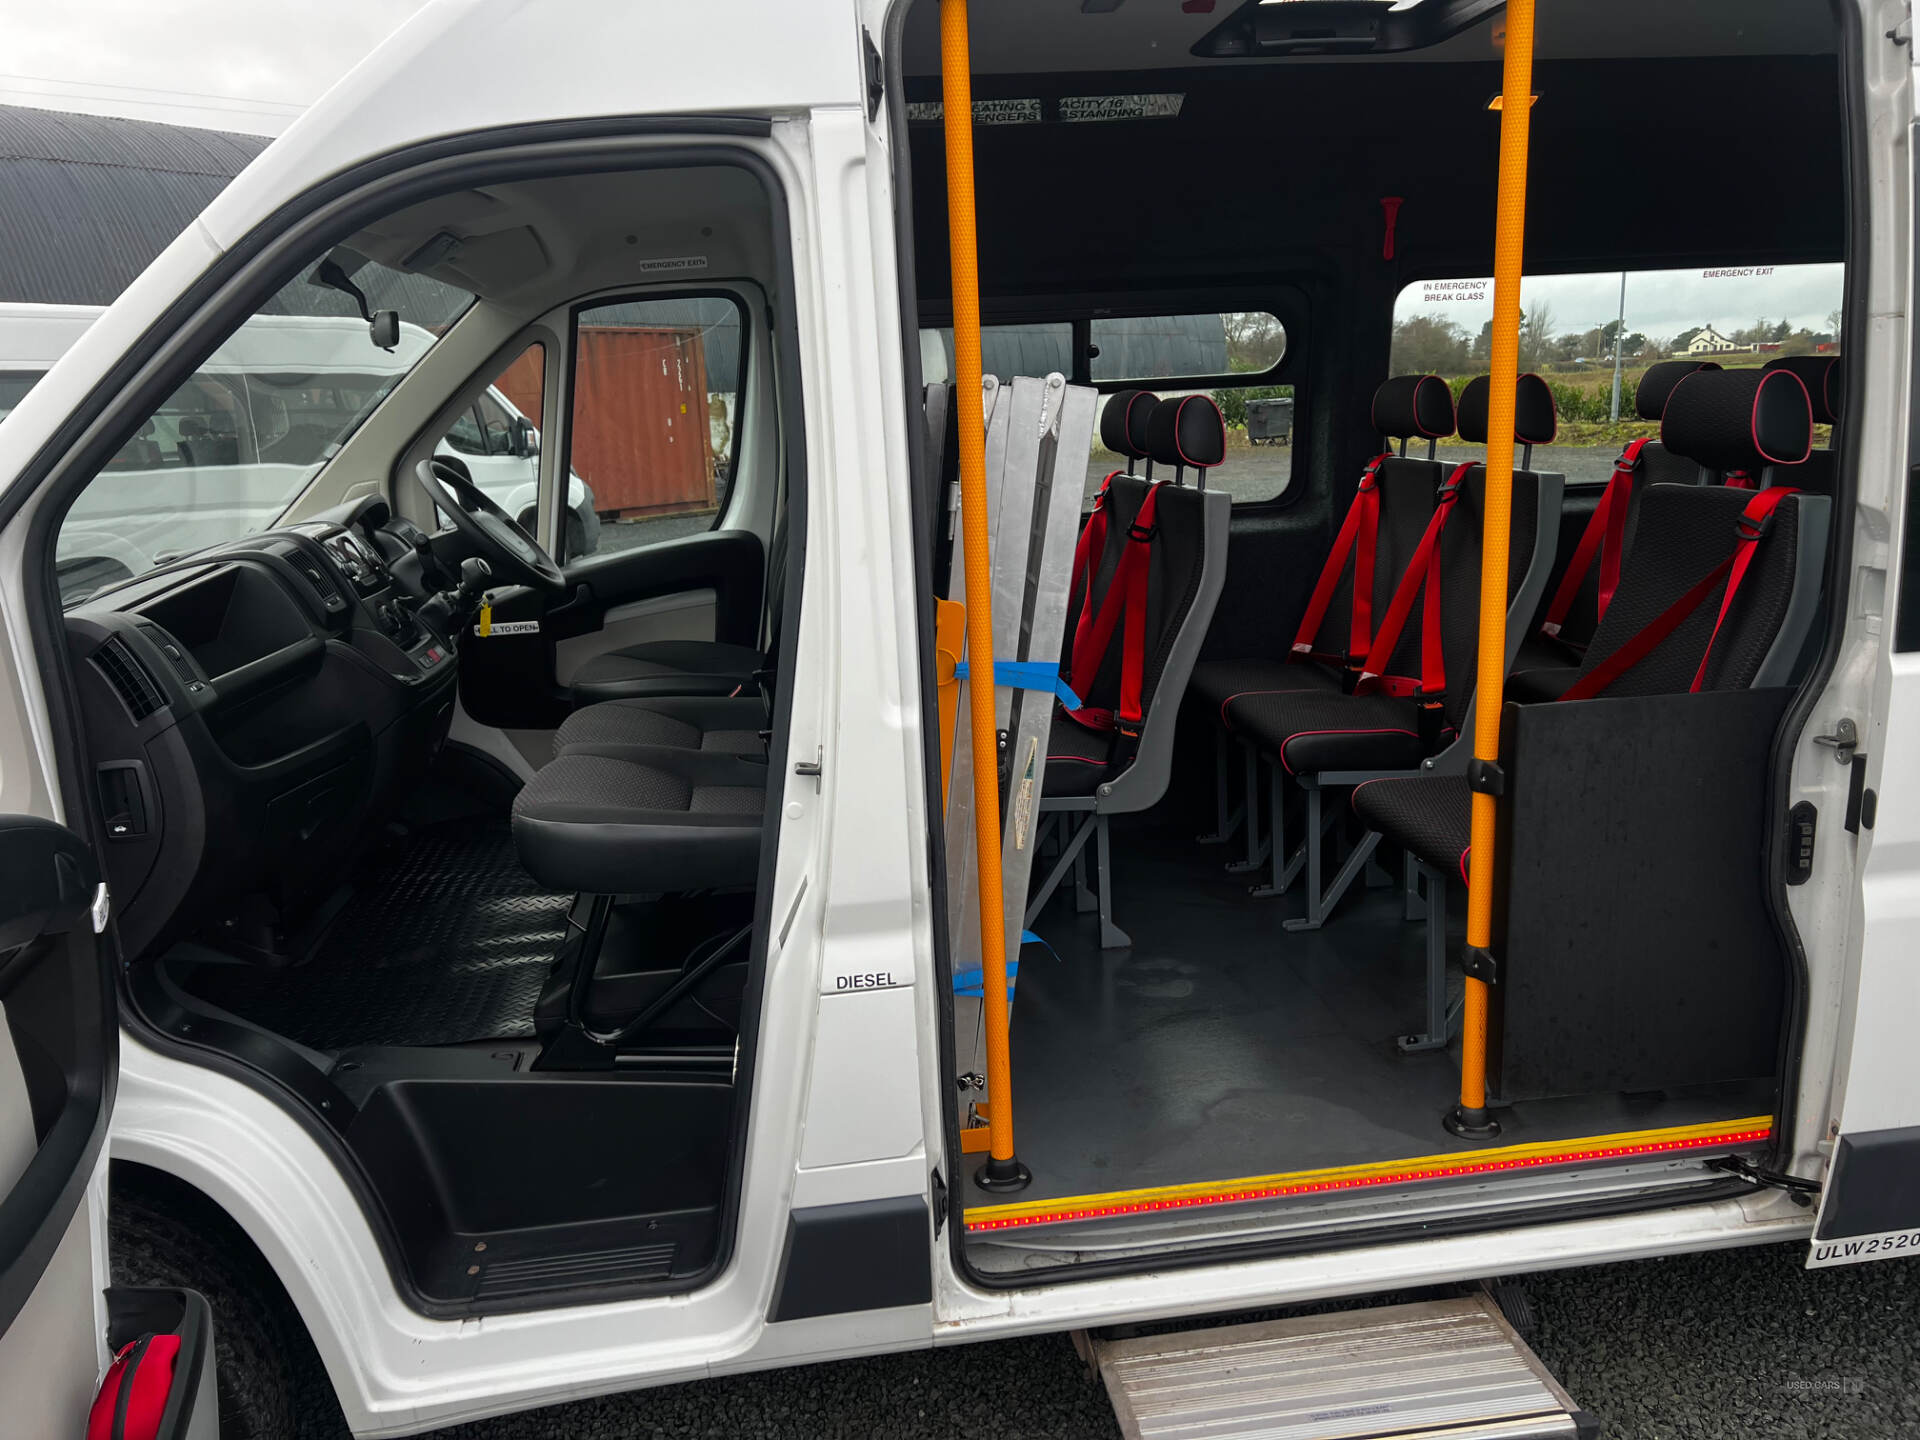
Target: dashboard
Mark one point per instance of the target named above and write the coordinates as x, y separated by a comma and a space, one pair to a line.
255, 713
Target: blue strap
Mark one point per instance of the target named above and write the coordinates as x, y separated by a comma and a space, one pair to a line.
974, 981
1029, 675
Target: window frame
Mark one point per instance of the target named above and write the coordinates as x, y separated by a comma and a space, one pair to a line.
1288, 300
552, 497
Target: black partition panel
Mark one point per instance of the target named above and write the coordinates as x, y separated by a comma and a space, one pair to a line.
1631, 925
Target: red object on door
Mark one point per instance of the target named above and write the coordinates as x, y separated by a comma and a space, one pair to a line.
133, 1396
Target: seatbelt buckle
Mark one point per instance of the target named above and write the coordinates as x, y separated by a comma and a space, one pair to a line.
1753, 528
1135, 533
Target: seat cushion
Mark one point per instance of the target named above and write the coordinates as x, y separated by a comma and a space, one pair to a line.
630, 820
1218, 681
1077, 757
666, 667
722, 724
1309, 732
1431, 815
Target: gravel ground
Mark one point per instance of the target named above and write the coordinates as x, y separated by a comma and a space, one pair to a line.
1741, 1344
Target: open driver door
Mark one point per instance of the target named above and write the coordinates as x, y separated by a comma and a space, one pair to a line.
61, 1323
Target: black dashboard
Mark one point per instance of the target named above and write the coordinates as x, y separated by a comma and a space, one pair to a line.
255, 713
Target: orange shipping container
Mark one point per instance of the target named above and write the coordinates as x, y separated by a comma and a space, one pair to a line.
641, 432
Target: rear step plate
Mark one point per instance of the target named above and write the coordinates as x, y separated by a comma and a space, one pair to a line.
1452, 1368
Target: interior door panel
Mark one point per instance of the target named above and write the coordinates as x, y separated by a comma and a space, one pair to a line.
705, 586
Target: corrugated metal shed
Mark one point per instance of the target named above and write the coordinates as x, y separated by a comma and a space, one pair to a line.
87, 201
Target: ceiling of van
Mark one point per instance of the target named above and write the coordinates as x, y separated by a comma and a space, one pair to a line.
1050, 36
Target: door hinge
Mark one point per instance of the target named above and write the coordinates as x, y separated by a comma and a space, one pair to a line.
1844, 741
939, 1202
1802, 1191
812, 769
876, 77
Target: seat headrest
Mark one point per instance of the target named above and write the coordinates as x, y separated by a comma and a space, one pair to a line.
1821, 375
1739, 419
1410, 406
1123, 422
1535, 421
1650, 400
1187, 430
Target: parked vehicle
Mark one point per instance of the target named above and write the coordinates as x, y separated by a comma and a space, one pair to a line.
514, 977
240, 439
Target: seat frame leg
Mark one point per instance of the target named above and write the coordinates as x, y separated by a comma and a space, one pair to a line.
1069, 854
1112, 937
1416, 904
1257, 849
1226, 820
1440, 1016
1320, 904
1085, 902
1283, 866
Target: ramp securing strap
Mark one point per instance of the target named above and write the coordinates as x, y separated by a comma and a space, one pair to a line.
1029, 675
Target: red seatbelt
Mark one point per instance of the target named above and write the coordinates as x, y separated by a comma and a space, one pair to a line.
1605, 536
1126, 595
1360, 537
1751, 525
1086, 558
1740, 480
1422, 573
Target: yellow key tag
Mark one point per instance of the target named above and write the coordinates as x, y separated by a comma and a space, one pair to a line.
486, 617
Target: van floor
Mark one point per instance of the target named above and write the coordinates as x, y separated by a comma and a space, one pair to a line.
1220, 1046
444, 938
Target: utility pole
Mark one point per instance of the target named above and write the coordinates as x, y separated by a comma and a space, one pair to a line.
1619, 339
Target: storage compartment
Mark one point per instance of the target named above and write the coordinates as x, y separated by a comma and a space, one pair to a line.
230, 618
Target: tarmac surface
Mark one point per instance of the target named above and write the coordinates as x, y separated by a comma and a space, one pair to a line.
1740, 1344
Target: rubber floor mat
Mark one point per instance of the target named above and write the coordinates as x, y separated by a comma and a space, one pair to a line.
446, 939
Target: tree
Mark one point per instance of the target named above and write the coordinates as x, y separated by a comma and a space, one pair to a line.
1255, 340
1833, 323
1536, 331
1426, 345
1684, 338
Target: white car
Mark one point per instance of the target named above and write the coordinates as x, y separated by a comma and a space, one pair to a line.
232, 447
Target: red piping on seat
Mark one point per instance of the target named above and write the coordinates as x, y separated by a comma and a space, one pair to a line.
1248, 694
1308, 734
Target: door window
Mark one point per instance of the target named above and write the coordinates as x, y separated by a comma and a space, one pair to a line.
657, 414
496, 436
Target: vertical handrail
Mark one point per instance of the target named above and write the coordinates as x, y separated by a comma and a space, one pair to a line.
1002, 1171
1470, 1117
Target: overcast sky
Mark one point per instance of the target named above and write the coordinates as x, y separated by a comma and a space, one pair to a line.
248, 65
1660, 303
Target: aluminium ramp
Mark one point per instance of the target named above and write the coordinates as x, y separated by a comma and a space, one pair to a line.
1452, 1368
1039, 438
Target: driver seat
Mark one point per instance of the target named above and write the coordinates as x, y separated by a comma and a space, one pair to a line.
658, 668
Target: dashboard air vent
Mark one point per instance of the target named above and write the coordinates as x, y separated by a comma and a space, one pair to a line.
329, 592
129, 678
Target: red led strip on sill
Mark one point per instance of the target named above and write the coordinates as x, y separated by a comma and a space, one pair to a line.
1274, 1192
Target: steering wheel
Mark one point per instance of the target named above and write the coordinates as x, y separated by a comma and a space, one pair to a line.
514, 555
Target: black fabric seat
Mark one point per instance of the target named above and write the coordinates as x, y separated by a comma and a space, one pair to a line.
621, 820
720, 724
1822, 376
1406, 407
1308, 731
1725, 420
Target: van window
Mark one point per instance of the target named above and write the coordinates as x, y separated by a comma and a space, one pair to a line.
1574, 328
656, 414
227, 452
496, 436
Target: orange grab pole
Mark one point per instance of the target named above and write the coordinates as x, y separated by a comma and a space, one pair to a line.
1002, 1171
1516, 111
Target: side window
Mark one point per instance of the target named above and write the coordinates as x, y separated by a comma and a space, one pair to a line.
497, 438
1155, 351
1592, 336
657, 412
1172, 355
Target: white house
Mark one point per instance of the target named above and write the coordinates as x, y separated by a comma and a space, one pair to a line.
1711, 342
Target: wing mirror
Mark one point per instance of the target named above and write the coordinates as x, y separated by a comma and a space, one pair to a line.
526, 439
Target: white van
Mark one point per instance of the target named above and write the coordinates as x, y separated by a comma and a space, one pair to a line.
513, 977
235, 443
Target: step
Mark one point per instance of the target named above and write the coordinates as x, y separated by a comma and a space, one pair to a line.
1452, 1368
